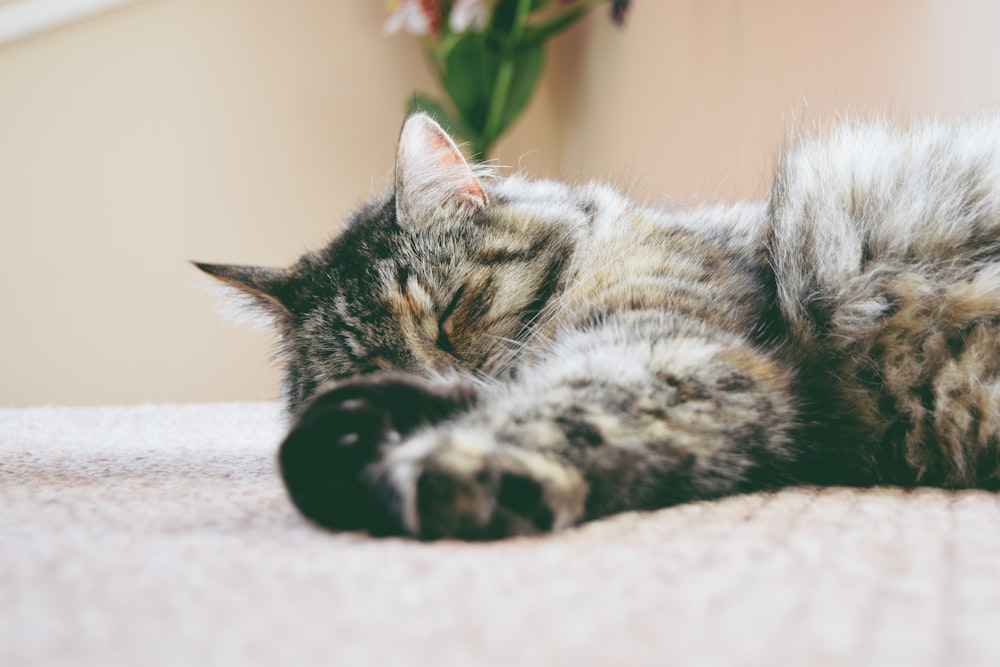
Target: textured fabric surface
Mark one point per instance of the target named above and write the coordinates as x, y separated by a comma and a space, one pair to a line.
160, 535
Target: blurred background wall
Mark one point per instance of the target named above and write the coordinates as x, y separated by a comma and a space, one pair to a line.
244, 130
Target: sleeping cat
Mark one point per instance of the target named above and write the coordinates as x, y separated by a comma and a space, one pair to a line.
477, 357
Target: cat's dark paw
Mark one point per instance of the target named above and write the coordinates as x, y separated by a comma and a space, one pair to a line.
325, 457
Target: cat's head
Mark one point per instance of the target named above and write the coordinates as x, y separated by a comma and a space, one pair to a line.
443, 273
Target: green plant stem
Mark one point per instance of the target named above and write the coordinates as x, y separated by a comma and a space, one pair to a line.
505, 74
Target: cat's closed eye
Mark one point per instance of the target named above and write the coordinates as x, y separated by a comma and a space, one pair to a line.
446, 324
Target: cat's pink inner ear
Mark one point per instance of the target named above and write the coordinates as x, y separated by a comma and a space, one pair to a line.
431, 173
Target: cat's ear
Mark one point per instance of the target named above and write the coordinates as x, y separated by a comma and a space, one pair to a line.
431, 174
264, 290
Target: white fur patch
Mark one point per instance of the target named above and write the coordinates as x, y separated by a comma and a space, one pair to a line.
237, 306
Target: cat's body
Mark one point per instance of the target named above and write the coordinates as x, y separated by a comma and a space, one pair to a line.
477, 358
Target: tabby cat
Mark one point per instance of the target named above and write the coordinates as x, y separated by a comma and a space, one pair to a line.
477, 357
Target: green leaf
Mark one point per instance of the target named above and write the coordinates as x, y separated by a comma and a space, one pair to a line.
503, 16
528, 63
446, 44
470, 70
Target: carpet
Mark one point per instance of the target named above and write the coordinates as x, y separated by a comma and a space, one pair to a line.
160, 535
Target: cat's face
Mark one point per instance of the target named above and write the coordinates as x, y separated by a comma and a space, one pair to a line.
432, 278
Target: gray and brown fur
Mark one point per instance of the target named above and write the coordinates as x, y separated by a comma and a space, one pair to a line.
477, 357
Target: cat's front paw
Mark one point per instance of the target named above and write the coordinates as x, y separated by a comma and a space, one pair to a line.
346, 428
461, 483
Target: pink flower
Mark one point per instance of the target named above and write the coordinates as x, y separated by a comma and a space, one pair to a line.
474, 14
417, 17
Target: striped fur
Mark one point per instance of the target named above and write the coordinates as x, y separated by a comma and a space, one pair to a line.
476, 357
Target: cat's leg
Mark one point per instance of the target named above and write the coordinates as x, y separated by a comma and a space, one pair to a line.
615, 428
589, 432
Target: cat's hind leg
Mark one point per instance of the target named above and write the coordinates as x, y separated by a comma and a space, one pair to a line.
922, 375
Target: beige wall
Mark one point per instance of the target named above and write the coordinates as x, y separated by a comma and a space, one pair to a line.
695, 97
239, 130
